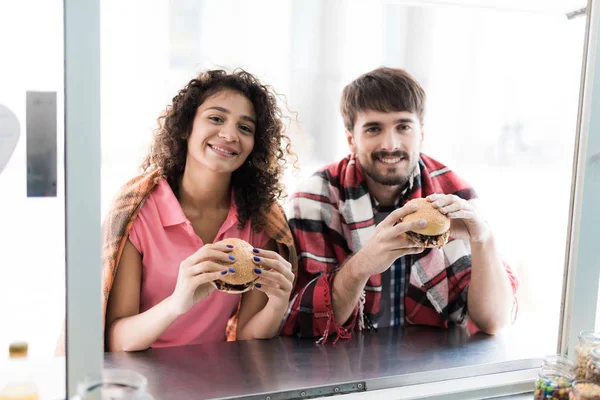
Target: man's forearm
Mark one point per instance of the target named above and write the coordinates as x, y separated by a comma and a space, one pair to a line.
490, 293
347, 288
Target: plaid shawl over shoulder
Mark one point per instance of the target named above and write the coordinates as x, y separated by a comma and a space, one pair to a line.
124, 210
332, 217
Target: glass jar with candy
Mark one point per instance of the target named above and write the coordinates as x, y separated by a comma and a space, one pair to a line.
587, 341
555, 378
592, 372
585, 390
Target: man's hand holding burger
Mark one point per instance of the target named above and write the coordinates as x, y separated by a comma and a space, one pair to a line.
388, 243
466, 223
424, 223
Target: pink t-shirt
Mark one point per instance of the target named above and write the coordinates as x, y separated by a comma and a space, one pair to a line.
165, 237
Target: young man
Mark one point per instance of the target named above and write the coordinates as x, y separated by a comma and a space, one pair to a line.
357, 268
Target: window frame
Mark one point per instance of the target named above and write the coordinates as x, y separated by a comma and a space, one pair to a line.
582, 268
84, 347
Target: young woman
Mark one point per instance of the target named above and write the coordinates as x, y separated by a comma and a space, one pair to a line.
213, 172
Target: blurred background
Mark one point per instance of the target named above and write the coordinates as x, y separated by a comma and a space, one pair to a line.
502, 80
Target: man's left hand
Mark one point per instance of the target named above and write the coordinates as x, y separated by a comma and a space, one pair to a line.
465, 221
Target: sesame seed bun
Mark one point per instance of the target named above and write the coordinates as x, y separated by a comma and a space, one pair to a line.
244, 277
437, 223
436, 233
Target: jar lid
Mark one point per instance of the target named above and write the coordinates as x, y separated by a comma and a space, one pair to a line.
559, 361
589, 336
557, 374
118, 383
17, 349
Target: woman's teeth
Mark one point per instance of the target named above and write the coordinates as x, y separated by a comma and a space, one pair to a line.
222, 150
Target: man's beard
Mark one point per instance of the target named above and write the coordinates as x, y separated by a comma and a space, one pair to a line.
396, 179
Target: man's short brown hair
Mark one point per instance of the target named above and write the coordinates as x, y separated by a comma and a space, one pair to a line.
385, 90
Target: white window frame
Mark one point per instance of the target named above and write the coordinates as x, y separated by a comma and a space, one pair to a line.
582, 272
82, 191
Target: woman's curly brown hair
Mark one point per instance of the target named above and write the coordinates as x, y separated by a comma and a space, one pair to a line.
257, 182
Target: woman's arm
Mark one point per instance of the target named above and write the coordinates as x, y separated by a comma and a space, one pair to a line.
262, 309
126, 328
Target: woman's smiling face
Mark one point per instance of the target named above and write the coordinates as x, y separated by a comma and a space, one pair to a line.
222, 135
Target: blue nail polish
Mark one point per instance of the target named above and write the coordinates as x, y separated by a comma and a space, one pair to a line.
230, 246
257, 259
257, 270
223, 272
255, 250
232, 258
258, 285
232, 270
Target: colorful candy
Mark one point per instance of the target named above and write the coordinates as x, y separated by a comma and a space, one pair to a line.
583, 390
592, 372
587, 341
552, 387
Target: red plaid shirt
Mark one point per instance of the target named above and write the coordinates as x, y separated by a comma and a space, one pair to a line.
331, 217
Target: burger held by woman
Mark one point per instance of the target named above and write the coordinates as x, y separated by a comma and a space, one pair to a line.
197, 248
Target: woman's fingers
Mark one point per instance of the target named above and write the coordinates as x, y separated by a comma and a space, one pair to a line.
270, 288
274, 278
274, 265
216, 251
260, 254
205, 278
209, 267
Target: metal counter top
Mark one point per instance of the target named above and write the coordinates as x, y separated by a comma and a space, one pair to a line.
289, 367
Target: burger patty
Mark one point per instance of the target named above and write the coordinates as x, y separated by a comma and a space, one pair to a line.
227, 286
429, 241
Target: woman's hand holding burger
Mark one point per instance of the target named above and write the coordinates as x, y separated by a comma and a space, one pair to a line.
275, 277
197, 272
465, 221
258, 269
